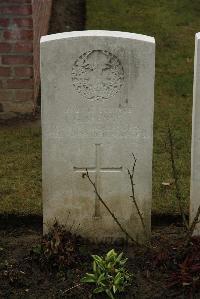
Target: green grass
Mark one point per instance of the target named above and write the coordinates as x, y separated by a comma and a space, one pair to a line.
173, 24
20, 171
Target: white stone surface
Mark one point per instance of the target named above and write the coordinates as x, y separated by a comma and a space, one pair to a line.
97, 109
195, 151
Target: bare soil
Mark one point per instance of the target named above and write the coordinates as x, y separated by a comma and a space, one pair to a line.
23, 276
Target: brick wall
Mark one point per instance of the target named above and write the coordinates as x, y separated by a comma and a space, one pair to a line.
16, 56
22, 22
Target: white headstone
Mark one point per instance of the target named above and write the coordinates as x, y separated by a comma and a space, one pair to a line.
97, 109
195, 151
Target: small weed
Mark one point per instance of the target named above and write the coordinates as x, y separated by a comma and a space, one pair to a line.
109, 274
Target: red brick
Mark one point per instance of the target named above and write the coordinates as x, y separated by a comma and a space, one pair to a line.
23, 22
18, 34
19, 83
26, 47
4, 22
23, 95
24, 72
5, 47
6, 95
15, 59
5, 71
16, 10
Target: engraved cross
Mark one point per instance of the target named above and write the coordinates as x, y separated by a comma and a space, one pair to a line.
97, 169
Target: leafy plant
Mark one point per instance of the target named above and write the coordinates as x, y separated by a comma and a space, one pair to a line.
109, 274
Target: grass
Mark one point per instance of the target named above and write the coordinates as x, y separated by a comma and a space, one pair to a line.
173, 24
20, 171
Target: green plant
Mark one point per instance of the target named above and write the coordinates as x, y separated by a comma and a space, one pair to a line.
109, 274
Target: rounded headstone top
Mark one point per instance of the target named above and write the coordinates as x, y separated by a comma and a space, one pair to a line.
97, 33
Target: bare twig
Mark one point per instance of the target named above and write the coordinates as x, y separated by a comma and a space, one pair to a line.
193, 224
128, 236
178, 193
190, 229
75, 286
131, 176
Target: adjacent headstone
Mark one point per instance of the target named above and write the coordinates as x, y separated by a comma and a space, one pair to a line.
97, 109
195, 152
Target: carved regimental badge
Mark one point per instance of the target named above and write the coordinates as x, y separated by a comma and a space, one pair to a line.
97, 75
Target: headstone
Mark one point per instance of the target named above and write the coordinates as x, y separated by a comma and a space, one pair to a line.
97, 109
195, 151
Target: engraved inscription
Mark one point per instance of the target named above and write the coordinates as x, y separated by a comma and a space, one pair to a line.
97, 75
83, 124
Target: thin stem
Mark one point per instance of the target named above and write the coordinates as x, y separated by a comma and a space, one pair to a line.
178, 193
193, 224
108, 209
131, 176
75, 286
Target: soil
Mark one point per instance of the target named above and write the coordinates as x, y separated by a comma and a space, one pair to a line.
22, 276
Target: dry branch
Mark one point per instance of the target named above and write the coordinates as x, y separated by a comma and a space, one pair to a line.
175, 176
191, 228
131, 176
69, 289
128, 236
193, 224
